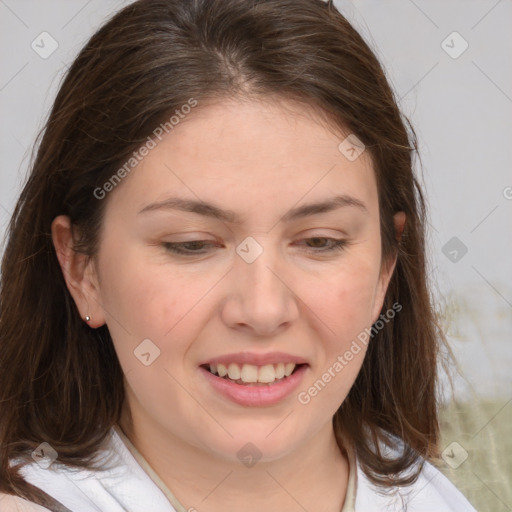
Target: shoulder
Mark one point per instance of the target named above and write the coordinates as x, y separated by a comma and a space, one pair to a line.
10, 503
114, 482
431, 491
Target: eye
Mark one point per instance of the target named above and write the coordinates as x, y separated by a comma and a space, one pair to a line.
192, 247
321, 244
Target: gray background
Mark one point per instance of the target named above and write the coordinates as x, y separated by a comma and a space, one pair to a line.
461, 109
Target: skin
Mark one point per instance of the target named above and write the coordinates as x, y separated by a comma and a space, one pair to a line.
258, 160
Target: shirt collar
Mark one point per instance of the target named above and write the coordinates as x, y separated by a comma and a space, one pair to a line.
350, 497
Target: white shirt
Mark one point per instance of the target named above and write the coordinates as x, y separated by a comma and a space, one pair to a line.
130, 485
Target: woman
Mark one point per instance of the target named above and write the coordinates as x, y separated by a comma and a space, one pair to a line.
214, 289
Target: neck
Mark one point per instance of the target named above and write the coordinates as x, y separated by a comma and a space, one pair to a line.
313, 477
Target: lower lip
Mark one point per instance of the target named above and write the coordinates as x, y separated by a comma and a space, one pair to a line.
259, 395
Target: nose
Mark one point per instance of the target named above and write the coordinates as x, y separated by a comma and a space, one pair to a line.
260, 299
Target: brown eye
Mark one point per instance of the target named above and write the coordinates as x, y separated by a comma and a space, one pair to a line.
324, 244
192, 247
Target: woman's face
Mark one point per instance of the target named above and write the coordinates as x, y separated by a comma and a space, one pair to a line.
255, 197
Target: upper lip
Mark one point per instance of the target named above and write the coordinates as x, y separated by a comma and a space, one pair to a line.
255, 359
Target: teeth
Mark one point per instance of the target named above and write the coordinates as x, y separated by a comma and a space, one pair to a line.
221, 370
288, 369
233, 371
249, 373
267, 373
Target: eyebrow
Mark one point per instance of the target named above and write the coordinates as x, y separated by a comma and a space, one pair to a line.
210, 210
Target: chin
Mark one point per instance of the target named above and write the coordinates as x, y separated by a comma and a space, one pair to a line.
265, 441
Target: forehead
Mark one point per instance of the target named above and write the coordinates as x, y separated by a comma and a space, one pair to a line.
251, 154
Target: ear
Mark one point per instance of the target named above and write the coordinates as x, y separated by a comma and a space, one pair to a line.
387, 268
79, 272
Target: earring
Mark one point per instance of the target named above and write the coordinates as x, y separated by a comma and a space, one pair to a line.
87, 318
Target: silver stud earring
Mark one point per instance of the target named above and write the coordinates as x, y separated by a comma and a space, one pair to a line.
87, 318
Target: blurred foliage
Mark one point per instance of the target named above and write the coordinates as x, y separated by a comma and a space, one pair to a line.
484, 429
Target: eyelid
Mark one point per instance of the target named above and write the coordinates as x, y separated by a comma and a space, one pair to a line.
336, 245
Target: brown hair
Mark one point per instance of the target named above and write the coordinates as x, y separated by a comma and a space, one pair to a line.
60, 381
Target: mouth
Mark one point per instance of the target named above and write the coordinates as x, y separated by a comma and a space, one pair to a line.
253, 375
250, 385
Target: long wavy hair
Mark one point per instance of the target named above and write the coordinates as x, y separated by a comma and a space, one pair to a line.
61, 381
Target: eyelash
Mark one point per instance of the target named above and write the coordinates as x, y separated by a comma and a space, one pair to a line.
338, 244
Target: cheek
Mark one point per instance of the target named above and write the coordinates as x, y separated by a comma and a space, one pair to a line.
344, 308
143, 300
167, 307
344, 298
349, 299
